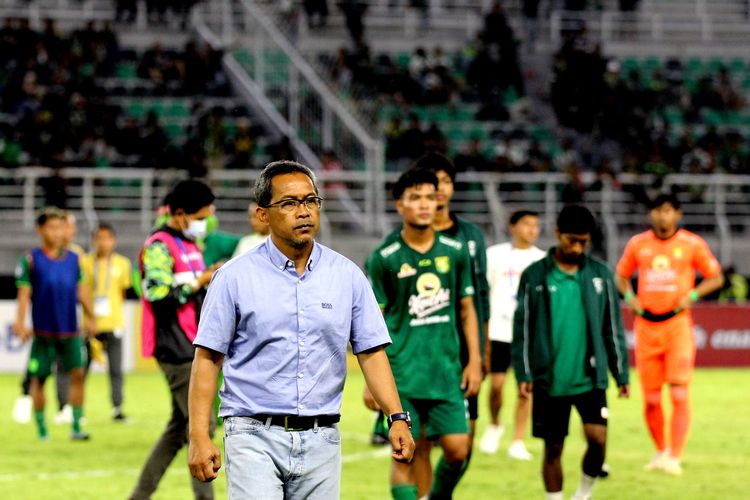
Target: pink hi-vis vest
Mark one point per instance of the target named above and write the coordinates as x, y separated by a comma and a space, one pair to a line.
183, 274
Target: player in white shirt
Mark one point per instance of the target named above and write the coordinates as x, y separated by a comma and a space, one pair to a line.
259, 234
505, 263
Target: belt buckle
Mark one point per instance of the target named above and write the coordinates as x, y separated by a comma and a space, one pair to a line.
286, 425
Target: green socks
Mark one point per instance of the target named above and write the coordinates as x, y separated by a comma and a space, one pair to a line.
77, 414
40, 425
404, 492
446, 478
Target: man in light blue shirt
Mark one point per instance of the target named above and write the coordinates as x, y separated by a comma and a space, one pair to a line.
278, 320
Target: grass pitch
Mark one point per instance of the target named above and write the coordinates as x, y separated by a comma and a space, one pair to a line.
715, 463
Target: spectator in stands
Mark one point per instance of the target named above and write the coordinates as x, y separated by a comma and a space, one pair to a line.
242, 146
154, 145
317, 12
412, 140
730, 98
434, 140
471, 157
125, 11
354, 11
530, 11
394, 144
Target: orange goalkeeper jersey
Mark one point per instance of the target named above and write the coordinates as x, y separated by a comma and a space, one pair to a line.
666, 268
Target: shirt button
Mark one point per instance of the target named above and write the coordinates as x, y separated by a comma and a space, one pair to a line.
300, 375
301, 342
299, 281
301, 407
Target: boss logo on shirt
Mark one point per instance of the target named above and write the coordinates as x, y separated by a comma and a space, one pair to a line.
598, 285
326, 305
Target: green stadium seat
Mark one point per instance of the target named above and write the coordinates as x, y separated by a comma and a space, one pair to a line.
737, 66
126, 71
673, 116
174, 131
694, 65
136, 109
651, 64
402, 59
629, 64
178, 109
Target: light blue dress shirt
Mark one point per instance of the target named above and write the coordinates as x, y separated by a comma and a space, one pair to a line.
285, 336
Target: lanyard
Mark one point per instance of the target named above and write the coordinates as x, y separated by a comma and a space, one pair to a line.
187, 256
108, 276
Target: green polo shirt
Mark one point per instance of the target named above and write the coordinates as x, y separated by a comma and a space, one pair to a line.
569, 341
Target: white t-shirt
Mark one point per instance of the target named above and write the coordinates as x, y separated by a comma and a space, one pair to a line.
504, 267
249, 242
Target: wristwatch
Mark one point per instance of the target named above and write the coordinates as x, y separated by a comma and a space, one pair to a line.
393, 417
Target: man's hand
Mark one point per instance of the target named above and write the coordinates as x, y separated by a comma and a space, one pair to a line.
471, 379
19, 330
685, 303
204, 459
369, 400
623, 391
525, 389
635, 305
402, 442
89, 326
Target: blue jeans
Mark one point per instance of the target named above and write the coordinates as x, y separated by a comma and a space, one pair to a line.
266, 462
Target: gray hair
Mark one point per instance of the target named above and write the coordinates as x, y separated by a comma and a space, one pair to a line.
263, 192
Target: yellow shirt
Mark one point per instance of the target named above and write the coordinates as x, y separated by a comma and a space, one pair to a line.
108, 293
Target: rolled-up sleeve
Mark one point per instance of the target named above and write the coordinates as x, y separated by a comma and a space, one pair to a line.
218, 321
368, 326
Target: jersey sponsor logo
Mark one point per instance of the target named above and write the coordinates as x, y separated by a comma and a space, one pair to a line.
598, 285
390, 249
660, 263
450, 242
425, 262
406, 271
431, 296
442, 264
660, 277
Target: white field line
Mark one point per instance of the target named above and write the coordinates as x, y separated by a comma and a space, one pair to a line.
99, 473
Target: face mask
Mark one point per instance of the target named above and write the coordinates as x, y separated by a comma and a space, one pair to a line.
196, 229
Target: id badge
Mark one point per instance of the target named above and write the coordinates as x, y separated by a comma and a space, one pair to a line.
102, 307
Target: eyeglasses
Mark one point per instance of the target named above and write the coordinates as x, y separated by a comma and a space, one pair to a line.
291, 205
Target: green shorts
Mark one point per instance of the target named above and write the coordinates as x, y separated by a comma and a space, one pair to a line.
439, 417
45, 351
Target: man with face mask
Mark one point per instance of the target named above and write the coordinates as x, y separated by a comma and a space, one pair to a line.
174, 278
567, 330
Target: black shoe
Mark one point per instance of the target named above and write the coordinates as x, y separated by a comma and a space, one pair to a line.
119, 417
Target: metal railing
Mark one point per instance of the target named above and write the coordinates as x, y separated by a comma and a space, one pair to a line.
715, 205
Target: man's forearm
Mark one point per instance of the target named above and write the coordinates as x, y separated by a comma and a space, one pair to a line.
204, 377
379, 379
470, 328
24, 298
707, 286
622, 284
84, 297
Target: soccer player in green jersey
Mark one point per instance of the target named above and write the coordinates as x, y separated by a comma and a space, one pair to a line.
468, 233
418, 278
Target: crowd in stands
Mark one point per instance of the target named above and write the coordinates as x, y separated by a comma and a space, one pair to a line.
158, 12
626, 113
59, 101
487, 67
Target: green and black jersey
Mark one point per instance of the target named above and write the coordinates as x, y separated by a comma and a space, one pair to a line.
418, 293
470, 235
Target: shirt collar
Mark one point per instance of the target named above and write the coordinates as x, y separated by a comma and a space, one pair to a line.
281, 261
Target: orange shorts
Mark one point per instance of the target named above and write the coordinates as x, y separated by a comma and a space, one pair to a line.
664, 352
